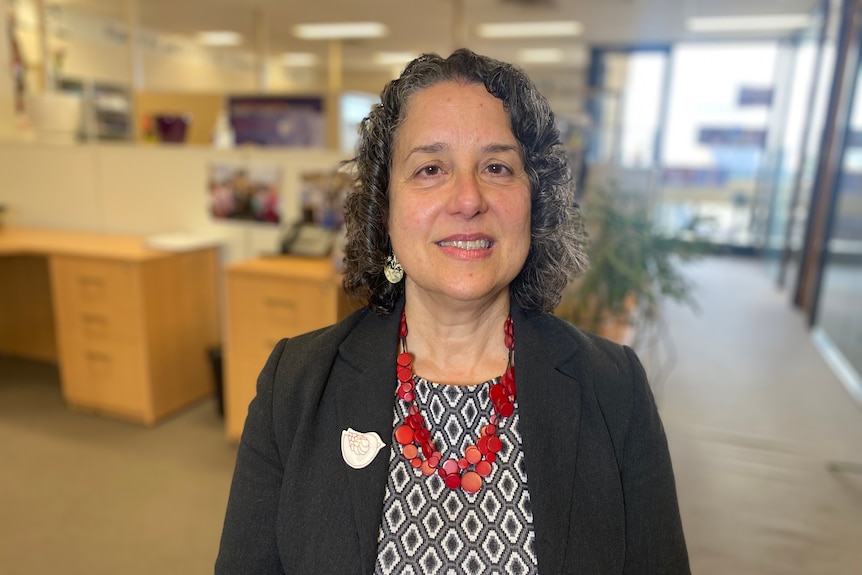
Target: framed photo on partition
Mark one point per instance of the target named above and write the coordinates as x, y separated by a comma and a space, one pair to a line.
245, 192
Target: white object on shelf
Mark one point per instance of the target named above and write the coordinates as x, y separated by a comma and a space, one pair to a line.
56, 116
181, 242
223, 134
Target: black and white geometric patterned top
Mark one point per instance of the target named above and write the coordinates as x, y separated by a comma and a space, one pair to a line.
430, 529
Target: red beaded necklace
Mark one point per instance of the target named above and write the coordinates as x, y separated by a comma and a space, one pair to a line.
415, 438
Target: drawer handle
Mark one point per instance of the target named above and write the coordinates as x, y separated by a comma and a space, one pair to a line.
97, 356
91, 281
279, 302
92, 287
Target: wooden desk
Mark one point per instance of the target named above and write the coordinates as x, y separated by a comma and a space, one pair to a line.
130, 326
267, 299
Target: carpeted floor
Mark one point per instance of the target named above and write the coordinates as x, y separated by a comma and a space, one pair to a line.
753, 415
755, 418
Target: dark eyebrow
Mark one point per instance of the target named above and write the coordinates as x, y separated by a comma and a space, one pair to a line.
439, 147
428, 149
498, 148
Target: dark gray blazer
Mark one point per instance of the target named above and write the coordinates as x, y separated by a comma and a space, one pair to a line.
598, 469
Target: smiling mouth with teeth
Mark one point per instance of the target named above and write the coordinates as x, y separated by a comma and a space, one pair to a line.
464, 245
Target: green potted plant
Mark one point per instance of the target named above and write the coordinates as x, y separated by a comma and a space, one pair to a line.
633, 266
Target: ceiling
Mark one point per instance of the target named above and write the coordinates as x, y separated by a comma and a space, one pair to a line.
433, 25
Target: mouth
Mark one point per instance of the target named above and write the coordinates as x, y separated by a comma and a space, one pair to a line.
466, 244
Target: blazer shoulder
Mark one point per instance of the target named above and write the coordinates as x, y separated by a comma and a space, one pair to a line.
612, 371
566, 337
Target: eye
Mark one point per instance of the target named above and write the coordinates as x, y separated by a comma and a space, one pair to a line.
499, 169
426, 171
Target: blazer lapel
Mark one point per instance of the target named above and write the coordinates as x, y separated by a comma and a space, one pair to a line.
365, 375
549, 404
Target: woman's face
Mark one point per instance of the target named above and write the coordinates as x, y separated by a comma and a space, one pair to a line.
459, 198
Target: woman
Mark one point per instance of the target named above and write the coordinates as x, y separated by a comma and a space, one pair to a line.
401, 439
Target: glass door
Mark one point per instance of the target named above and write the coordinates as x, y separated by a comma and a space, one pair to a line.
839, 301
791, 151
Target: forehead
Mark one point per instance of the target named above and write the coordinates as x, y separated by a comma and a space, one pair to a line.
452, 105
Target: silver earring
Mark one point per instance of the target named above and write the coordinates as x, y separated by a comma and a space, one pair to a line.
392, 270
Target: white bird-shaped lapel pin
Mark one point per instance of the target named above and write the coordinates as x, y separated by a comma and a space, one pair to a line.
359, 449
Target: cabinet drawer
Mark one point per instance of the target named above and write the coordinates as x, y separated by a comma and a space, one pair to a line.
261, 311
109, 377
97, 300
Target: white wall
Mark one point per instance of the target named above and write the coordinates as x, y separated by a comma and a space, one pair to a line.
143, 189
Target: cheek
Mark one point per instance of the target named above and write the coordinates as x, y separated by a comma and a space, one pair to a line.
410, 214
400, 221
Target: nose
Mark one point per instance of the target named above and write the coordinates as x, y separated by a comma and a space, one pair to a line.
468, 196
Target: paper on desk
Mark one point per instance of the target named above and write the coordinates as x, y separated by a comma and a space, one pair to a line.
181, 242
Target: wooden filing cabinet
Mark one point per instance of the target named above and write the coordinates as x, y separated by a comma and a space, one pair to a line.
133, 335
268, 299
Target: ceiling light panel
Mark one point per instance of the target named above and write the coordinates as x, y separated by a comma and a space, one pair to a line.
530, 29
749, 23
219, 38
340, 31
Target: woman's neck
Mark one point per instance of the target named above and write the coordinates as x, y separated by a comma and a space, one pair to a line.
460, 344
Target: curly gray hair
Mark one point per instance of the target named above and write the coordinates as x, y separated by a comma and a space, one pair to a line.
556, 252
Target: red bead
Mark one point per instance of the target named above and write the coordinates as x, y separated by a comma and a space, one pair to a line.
473, 455
463, 463
416, 462
489, 430
409, 396
496, 393
450, 466
453, 481
404, 435
482, 445
490, 457
427, 449
409, 451
404, 359
506, 409
494, 444
483, 468
427, 468
471, 482
404, 373
434, 461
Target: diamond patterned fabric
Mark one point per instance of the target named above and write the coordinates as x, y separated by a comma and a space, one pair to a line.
428, 528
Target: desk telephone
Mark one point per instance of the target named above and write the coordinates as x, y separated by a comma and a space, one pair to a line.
308, 240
